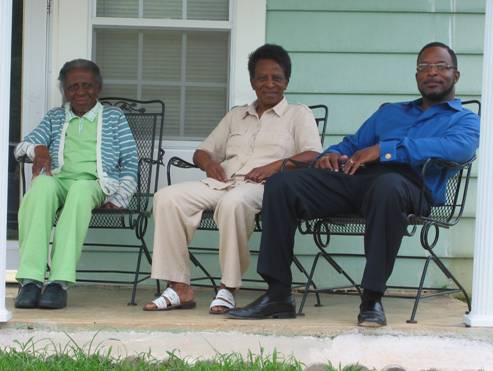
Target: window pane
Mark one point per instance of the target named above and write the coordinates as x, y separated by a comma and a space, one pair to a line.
205, 107
171, 98
162, 55
213, 10
164, 9
193, 84
117, 53
217, 10
117, 90
207, 56
117, 8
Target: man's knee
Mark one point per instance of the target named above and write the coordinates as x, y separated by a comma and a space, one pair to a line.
278, 184
389, 186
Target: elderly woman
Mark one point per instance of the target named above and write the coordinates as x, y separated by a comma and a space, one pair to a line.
84, 156
246, 148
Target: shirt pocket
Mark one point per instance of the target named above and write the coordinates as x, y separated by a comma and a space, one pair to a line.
237, 142
275, 143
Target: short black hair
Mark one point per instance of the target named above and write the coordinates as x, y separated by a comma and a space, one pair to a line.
440, 45
83, 64
270, 51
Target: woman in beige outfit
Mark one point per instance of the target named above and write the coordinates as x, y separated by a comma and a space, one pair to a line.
249, 145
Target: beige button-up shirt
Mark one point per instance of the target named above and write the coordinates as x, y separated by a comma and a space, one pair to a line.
243, 141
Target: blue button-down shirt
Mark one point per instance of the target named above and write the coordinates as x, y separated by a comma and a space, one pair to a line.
409, 135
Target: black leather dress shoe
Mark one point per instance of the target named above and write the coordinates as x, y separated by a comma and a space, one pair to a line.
371, 314
28, 296
53, 297
265, 307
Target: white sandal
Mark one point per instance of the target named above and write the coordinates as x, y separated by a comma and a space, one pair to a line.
224, 298
169, 295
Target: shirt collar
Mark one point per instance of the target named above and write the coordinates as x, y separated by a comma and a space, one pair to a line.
278, 109
453, 103
90, 116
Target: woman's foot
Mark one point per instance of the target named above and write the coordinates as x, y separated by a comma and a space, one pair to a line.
177, 296
224, 300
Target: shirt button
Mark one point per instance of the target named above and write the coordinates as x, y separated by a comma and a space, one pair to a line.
388, 156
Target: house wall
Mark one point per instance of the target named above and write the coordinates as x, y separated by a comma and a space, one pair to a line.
353, 55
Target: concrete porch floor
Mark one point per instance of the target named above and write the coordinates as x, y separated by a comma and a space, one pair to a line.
439, 339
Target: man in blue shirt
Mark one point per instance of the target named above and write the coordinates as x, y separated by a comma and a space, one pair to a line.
374, 173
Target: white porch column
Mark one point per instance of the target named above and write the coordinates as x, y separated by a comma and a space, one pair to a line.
5, 44
482, 284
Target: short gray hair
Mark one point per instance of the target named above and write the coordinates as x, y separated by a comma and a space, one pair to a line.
83, 64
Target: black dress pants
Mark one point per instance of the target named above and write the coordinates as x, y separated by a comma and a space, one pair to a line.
384, 195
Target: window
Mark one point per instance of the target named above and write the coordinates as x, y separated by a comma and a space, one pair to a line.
174, 50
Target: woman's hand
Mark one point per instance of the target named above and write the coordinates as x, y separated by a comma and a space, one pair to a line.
262, 173
42, 160
214, 170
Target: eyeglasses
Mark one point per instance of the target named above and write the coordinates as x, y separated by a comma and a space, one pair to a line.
440, 67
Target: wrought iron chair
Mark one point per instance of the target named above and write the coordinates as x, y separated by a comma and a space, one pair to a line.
207, 222
146, 121
444, 216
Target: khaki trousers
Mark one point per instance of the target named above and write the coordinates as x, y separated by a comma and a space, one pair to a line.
177, 213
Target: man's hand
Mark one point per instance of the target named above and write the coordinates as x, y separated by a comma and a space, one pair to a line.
41, 161
363, 156
261, 173
110, 205
331, 161
214, 170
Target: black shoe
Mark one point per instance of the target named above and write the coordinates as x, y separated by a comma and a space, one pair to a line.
53, 297
371, 314
265, 307
28, 296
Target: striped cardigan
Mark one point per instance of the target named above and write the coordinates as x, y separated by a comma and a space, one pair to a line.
116, 151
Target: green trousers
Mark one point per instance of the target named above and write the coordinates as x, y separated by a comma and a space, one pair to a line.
36, 216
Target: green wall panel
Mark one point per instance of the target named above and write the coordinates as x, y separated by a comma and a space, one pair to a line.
369, 32
400, 6
324, 73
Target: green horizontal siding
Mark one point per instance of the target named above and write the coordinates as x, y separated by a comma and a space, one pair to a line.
328, 31
324, 73
399, 6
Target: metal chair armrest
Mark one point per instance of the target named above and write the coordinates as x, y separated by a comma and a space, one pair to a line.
459, 198
178, 162
297, 164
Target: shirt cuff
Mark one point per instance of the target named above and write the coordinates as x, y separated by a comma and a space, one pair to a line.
388, 150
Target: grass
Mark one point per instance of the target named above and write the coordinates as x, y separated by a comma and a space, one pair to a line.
46, 355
